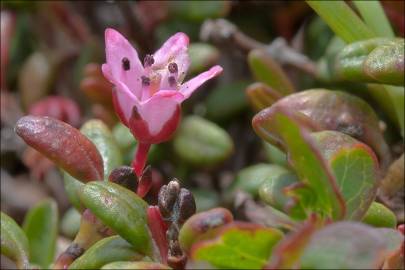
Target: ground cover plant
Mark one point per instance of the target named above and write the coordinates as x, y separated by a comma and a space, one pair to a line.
202, 135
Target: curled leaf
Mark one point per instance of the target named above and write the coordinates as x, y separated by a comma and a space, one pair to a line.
321, 109
319, 188
63, 144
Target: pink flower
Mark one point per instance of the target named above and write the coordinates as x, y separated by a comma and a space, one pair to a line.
147, 97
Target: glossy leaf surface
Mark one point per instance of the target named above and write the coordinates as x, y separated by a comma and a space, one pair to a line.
135, 265
121, 210
64, 145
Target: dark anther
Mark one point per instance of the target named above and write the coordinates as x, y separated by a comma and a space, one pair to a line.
124, 176
173, 68
187, 206
135, 114
148, 60
172, 81
167, 198
125, 64
145, 81
74, 250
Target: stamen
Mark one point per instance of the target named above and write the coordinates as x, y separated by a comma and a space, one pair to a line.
172, 81
126, 64
145, 81
173, 68
148, 60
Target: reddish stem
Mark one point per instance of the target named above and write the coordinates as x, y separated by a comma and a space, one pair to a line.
140, 158
158, 229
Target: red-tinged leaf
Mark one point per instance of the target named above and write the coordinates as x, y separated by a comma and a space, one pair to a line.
333, 110
288, 251
61, 108
350, 245
95, 85
261, 96
64, 145
238, 245
202, 225
320, 192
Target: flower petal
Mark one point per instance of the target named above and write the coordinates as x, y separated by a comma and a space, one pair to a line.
118, 48
190, 86
173, 50
159, 109
124, 101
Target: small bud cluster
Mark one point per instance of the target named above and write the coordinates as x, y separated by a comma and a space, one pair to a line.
176, 205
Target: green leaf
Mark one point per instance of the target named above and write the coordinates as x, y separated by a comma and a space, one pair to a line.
201, 142
268, 71
196, 11
70, 222
374, 16
14, 242
385, 64
304, 157
274, 155
41, 227
72, 188
355, 167
121, 210
202, 225
261, 96
377, 60
100, 135
35, 77
349, 245
106, 144
205, 199
273, 191
106, 251
202, 56
234, 95
321, 109
135, 265
63, 144
249, 179
378, 215
342, 19
238, 246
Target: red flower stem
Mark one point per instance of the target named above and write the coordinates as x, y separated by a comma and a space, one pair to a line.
158, 229
141, 156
